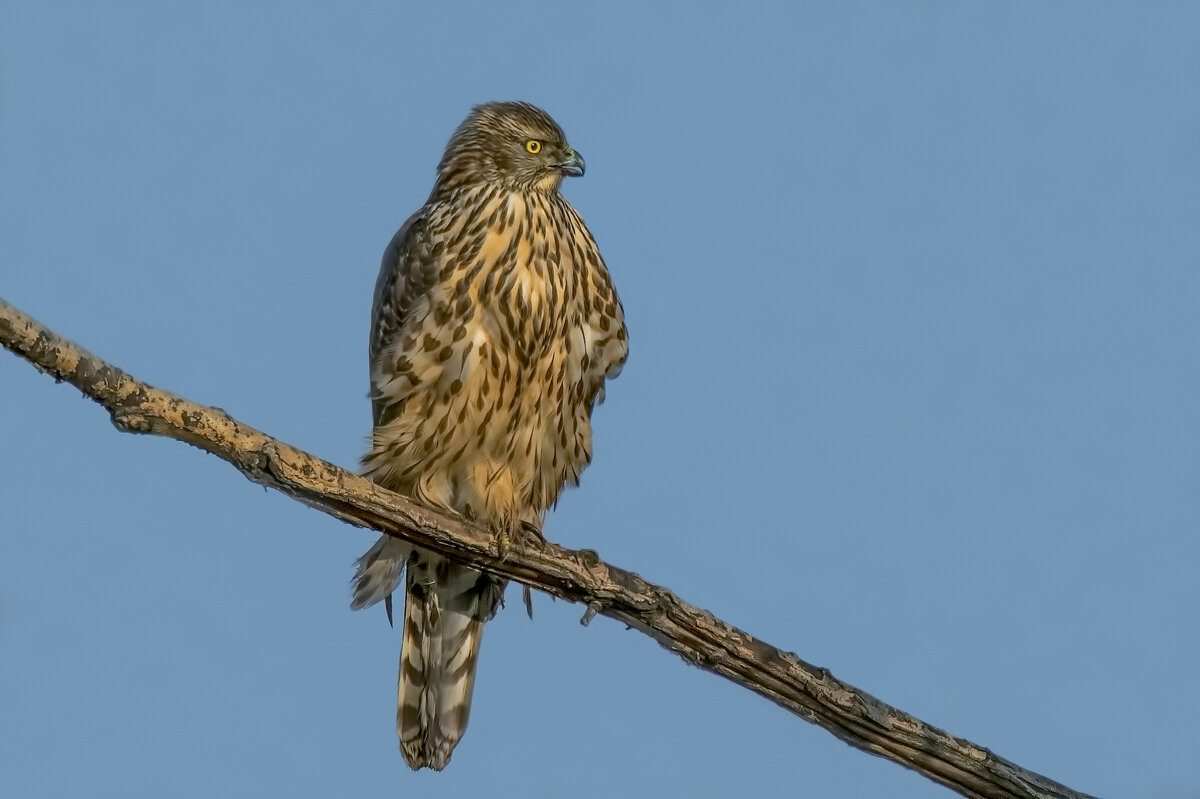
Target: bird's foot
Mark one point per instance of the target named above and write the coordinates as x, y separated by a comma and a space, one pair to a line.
524, 533
527, 534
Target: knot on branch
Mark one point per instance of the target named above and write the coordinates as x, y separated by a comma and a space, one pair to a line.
131, 420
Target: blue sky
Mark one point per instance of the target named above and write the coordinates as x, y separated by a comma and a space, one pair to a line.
914, 387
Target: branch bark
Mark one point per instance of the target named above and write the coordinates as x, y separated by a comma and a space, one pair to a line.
695, 635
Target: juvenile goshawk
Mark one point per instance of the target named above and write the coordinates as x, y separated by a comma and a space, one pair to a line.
494, 327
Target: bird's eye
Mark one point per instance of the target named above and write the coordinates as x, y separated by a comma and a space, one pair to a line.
534, 146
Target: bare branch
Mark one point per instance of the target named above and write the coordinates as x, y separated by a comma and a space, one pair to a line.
695, 635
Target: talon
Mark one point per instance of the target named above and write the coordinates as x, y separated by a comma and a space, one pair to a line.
532, 533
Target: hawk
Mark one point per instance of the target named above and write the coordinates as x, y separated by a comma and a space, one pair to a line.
494, 327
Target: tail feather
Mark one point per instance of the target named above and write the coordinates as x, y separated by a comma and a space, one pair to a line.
445, 608
437, 677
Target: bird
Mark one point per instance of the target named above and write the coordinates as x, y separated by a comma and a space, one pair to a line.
494, 328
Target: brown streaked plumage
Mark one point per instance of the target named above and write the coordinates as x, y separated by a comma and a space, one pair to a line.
494, 327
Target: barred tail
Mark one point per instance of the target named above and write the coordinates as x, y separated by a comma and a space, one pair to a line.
445, 608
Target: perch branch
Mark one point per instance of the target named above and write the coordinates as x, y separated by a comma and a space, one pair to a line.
695, 635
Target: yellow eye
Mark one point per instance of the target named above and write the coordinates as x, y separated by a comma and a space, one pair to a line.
534, 146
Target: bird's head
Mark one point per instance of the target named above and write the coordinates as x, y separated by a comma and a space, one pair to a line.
513, 144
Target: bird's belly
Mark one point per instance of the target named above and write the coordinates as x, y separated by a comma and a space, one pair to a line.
488, 431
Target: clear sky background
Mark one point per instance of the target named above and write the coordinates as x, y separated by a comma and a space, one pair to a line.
914, 389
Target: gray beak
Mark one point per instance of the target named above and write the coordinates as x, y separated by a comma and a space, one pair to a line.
573, 166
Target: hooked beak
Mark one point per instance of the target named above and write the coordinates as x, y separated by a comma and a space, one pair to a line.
573, 166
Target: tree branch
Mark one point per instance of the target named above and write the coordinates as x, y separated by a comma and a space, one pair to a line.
695, 635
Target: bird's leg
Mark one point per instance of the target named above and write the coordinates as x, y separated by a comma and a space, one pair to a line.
504, 540
529, 534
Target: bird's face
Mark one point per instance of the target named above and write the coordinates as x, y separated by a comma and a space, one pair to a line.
537, 157
515, 144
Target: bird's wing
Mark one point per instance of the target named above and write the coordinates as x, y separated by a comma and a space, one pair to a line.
408, 272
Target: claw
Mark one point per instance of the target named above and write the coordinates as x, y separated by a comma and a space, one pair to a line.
387, 605
531, 532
